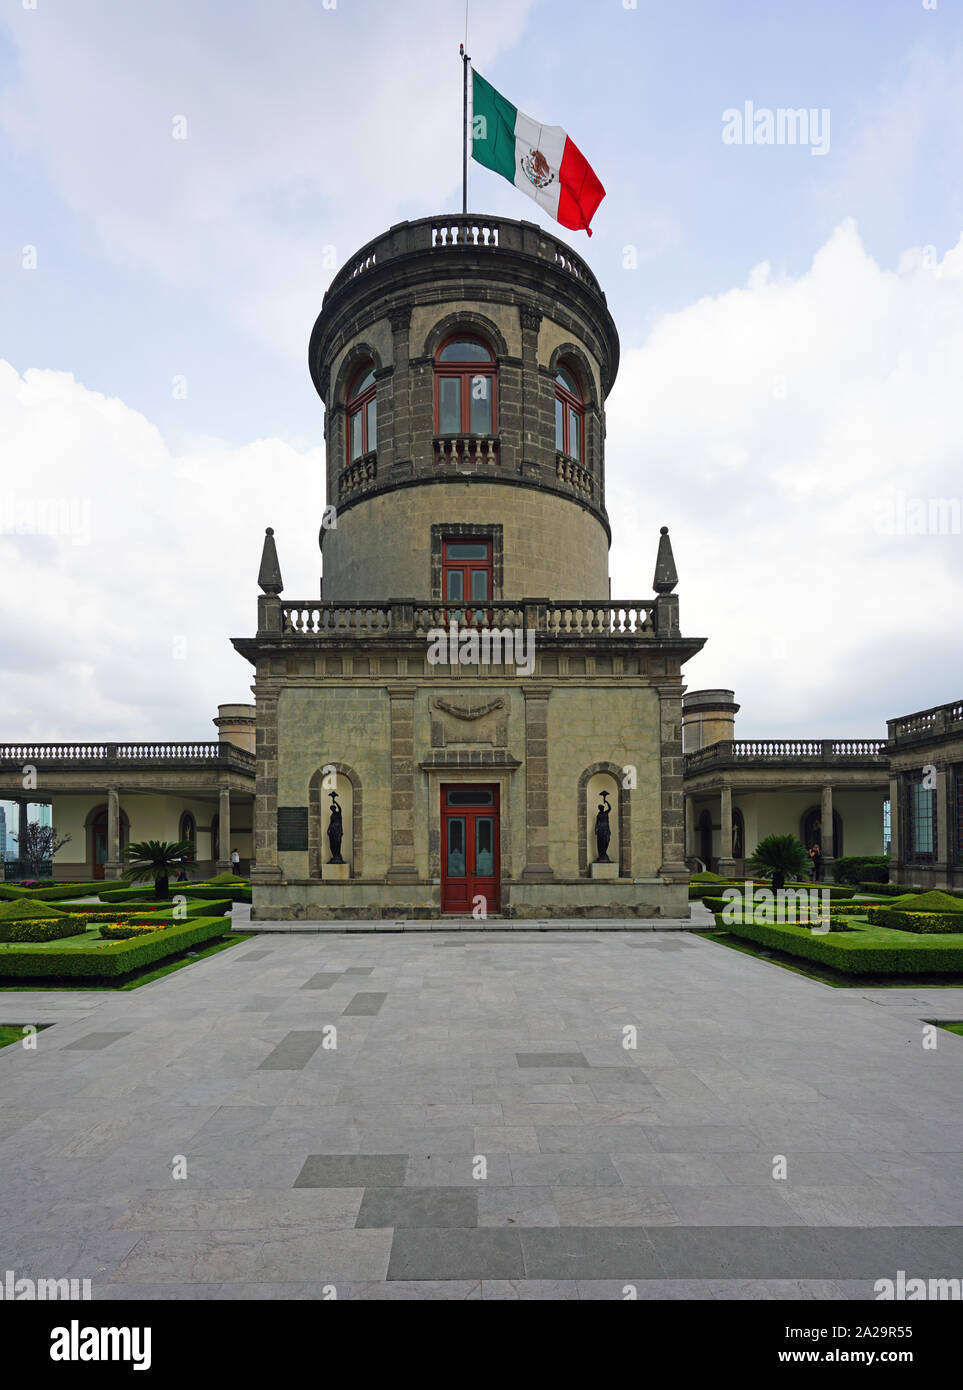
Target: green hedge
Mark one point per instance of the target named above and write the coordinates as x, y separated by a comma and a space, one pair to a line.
126, 931
861, 868
97, 912
923, 923
869, 951
43, 929
112, 962
54, 893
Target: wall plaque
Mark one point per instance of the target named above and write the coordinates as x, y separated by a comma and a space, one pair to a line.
292, 827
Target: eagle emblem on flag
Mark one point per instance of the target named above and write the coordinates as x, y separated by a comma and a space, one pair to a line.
537, 169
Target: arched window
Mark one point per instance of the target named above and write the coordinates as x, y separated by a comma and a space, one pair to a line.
465, 380
569, 414
362, 409
188, 832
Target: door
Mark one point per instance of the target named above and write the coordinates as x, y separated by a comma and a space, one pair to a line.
100, 844
469, 849
466, 574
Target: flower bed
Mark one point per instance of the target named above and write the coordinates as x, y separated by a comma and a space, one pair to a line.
109, 962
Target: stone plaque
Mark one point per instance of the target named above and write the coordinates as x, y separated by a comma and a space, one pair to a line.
292, 827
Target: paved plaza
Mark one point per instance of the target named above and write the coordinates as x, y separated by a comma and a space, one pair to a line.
479, 1130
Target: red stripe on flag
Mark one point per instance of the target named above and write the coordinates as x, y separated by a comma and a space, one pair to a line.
580, 190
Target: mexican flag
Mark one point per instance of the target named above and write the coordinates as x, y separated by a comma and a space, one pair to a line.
539, 159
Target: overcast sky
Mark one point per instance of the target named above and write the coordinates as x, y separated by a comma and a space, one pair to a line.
791, 320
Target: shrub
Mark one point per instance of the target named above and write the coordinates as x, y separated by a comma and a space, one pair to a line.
856, 952
933, 901
861, 868
38, 931
22, 911
111, 962
122, 931
924, 923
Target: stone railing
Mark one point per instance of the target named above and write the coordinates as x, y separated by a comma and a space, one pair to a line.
821, 751
22, 754
576, 618
927, 723
567, 470
357, 475
480, 233
451, 450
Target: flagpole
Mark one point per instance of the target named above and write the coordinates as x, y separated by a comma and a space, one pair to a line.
464, 130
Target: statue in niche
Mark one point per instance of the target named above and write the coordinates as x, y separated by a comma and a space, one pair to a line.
603, 831
335, 830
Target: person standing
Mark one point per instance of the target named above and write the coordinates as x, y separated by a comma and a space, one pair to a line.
235, 861
815, 855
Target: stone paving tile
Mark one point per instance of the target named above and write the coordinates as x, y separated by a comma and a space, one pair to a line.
483, 1253
324, 979
365, 1005
293, 1052
353, 1170
92, 1042
403, 1207
652, 1166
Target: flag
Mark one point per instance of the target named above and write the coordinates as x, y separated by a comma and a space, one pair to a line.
541, 160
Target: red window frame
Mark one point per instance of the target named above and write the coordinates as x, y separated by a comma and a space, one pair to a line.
573, 403
466, 373
451, 565
358, 404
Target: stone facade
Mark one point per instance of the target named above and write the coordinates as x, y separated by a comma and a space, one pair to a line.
581, 694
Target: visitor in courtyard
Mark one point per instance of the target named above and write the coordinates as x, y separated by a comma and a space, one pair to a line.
815, 855
235, 861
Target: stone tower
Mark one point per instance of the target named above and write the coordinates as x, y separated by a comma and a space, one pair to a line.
447, 728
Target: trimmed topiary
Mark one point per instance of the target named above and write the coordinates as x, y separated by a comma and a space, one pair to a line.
25, 911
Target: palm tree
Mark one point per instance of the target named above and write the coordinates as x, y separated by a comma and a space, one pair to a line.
157, 858
781, 857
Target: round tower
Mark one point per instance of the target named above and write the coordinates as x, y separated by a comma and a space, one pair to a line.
464, 364
708, 716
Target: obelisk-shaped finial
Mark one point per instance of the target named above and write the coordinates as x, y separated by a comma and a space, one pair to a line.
666, 576
269, 575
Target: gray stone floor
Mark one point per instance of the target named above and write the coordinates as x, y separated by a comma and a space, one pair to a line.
480, 1131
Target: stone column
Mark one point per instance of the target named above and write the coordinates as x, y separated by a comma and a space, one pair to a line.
114, 866
826, 816
224, 846
537, 866
673, 867
727, 865
690, 829
265, 868
402, 868
894, 845
22, 834
941, 831
531, 420
399, 420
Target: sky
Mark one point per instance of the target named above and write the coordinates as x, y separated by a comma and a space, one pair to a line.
181, 181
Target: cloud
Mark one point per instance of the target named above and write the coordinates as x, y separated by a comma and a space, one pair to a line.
128, 568
782, 431
302, 125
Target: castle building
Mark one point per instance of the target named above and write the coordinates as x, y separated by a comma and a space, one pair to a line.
466, 722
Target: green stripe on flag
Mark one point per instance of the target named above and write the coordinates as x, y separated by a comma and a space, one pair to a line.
492, 128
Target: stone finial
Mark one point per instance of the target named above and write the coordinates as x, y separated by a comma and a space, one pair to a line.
269, 575
666, 576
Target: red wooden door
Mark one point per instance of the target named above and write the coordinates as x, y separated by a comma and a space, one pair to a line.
469, 848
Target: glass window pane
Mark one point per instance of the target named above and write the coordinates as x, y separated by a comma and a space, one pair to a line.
372, 425
484, 846
481, 405
559, 426
468, 550
566, 379
362, 381
356, 450
449, 405
456, 585
479, 584
456, 847
464, 350
574, 435
471, 797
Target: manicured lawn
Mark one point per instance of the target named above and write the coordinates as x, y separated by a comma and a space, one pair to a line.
863, 950
953, 1028
91, 937
825, 974
10, 1035
154, 972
